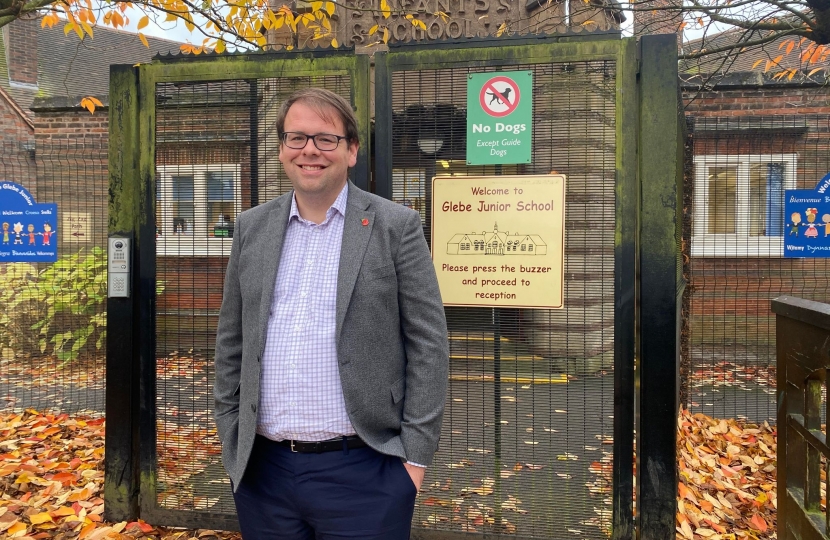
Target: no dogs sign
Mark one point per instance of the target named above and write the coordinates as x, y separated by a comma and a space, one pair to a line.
499, 117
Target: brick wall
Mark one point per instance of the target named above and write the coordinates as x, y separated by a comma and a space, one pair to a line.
16, 161
20, 40
71, 156
730, 297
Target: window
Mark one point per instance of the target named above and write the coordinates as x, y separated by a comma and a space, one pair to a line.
739, 204
196, 208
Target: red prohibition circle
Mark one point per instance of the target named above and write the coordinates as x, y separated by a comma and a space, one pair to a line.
489, 86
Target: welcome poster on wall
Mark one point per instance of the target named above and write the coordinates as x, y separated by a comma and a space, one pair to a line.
28, 230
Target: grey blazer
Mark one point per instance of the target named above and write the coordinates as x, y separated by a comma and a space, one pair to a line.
391, 331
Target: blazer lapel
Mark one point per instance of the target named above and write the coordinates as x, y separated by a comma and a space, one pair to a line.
271, 250
355, 240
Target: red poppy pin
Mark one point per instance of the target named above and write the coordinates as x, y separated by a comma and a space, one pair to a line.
365, 222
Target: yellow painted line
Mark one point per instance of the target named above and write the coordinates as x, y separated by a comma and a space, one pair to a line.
560, 379
509, 358
477, 338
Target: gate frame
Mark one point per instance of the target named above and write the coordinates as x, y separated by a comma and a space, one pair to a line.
130, 467
649, 122
648, 278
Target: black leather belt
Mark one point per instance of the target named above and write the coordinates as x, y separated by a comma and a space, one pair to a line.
318, 447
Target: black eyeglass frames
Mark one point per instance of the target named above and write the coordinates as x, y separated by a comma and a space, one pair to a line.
323, 141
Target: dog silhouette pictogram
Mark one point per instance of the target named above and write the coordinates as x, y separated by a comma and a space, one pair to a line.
505, 93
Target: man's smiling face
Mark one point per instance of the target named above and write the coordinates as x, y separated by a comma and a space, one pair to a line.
315, 173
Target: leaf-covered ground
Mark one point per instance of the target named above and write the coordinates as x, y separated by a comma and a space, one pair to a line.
727, 479
51, 480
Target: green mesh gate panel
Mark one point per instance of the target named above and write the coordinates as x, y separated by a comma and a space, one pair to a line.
216, 156
527, 444
737, 265
53, 315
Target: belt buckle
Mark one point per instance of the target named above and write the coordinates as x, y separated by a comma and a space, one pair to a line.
292, 446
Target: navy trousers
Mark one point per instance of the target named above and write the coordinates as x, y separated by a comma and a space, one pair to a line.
357, 493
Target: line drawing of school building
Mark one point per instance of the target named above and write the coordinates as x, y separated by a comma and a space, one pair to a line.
496, 242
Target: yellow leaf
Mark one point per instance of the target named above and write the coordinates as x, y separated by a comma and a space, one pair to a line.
67, 28
170, 18
373, 29
386, 35
755, 65
16, 528
330, 7
145, 20
792, 74
814, 71
327, 24
143, 40
385, 9
334, 43
586, 23
88, 105
37, 519
190, 26
220, 46
502, 28
316, 6
87, 28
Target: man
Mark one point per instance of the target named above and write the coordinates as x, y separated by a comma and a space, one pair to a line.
331, 349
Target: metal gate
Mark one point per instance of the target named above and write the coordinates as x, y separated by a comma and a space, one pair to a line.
538, 438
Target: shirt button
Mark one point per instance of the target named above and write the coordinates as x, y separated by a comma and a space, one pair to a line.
298, 328
293, 403
303, 294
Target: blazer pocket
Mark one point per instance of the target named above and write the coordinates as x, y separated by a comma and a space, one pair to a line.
238, 388
398, 390
372, 274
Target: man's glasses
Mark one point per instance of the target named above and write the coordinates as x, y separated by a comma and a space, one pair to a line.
323, 141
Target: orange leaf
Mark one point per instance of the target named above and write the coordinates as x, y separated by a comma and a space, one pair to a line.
63, 511
758, 522
85, 531
813, 72
145, 20
16, 528
790, 46
143, 40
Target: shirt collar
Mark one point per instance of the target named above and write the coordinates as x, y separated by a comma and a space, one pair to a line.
339, 206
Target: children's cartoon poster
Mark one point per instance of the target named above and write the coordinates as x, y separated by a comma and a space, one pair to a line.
807, 227
29, 229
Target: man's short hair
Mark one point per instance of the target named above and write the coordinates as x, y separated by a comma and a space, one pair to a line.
322, 101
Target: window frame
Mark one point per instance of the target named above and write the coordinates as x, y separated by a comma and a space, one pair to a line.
740, 243
199, 243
